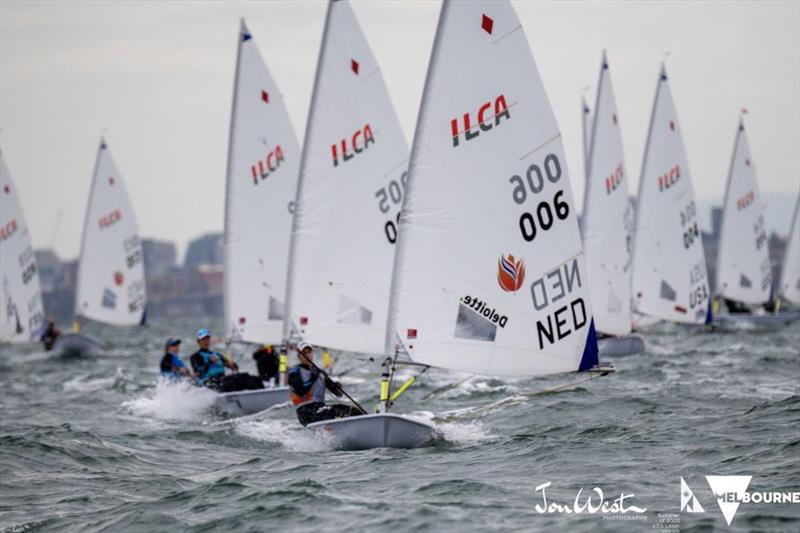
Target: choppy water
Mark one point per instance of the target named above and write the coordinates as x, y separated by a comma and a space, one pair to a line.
96, 445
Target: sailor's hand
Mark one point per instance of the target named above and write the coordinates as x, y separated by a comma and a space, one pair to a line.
213, 358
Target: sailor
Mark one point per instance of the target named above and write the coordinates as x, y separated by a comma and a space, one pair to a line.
172, 366
307, 390
267, 364
50, 334
210, 368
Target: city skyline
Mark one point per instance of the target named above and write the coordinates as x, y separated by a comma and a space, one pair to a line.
157, 79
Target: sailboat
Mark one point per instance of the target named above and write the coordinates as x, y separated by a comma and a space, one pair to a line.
351, 186
607, 226
489, 276
111, 284
263, 165
670, 278
744, 271
21, 311
789, 285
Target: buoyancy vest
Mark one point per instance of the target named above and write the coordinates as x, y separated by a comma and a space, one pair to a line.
205, 369
305, 386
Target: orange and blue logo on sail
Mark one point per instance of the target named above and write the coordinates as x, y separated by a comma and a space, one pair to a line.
510, 273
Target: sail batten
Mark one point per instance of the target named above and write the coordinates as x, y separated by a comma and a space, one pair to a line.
263, 166
489, 276
111, 283
21, 309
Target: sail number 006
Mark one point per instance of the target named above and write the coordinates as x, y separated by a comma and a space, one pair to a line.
546, 212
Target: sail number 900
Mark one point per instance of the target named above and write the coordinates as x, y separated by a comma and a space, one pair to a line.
545, 212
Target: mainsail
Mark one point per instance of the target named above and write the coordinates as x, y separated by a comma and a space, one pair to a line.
744, 272
21, 311
607, 221
670, 279
489, 276
789, 287
263, 164
352, 183
111, 285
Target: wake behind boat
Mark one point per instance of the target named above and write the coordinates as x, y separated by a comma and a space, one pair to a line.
247, 402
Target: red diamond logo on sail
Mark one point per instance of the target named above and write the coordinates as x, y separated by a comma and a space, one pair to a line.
354, 66
510, 273
487, 24
411, 334
265, 96
303, 320
110, 180
118, 278
7, 189
242, 320
672, 125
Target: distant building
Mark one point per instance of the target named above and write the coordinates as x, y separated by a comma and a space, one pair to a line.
205, 250
58, 279
716, 221
159, 258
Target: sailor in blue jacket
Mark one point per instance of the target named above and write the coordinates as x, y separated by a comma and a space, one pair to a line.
210, 368
172, 366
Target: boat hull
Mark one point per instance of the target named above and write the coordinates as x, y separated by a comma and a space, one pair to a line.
247, 402
76, 344
618, 346
772, 320
383, 430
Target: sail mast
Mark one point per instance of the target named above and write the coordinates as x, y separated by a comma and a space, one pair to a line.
739, 129
400, 245
226, 280
79, 288
298, 204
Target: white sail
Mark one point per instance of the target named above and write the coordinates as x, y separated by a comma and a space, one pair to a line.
744, 271
263, 165
789, 287
670, 280
21, 310
608, 216
489, 276
352, 181
111, 287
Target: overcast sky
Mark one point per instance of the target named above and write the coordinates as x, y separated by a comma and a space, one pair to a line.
157, 79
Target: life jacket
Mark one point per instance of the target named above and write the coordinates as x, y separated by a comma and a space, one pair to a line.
301, 379
205, 369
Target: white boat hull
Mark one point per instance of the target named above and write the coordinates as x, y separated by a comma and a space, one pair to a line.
76, 344
383, 430
772, 320
618, 346
247, 402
